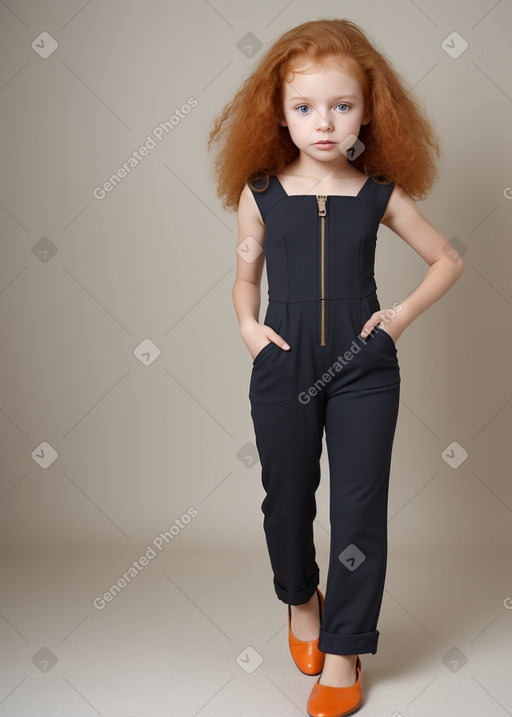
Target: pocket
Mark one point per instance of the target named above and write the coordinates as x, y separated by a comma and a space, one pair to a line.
261, 352
380, 365
371, 305
390, 339
271, 376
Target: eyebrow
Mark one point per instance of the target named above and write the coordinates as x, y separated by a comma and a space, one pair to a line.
338, 97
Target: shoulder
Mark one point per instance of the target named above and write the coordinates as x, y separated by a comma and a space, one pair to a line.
247, 206
404, 217
400, 205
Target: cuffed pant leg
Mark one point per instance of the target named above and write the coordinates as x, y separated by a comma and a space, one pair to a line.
289, 442
360, 427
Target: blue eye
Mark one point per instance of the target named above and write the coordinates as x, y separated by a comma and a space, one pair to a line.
300, 107
342, 104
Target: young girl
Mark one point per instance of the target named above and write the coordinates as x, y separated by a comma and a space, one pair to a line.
320, 145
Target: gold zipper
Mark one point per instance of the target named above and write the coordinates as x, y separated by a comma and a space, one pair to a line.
322, 211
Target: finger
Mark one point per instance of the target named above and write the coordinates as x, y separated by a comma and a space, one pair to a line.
367, 329
374, 320
279, 341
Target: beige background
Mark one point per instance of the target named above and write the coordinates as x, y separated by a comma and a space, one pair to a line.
138, 445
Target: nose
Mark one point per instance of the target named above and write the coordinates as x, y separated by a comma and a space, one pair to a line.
323, 122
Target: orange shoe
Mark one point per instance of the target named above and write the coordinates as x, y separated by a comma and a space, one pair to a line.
325, 701
306, 655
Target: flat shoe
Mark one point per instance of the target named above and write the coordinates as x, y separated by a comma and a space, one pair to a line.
306, 655
325, 701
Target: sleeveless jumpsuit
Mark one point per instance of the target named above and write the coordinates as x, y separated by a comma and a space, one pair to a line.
319, 253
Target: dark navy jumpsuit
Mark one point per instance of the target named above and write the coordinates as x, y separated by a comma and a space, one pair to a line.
319, 253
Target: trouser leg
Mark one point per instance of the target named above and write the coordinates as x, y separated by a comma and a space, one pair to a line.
360, 427
289, 442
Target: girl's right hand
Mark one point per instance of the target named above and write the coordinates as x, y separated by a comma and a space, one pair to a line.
256, 336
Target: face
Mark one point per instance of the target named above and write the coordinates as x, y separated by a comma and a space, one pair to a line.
323, 102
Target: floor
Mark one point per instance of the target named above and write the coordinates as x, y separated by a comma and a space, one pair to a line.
197, 630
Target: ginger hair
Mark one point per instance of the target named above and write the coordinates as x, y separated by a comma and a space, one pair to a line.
400, 142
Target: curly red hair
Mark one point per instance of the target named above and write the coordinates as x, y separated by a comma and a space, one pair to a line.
400, 142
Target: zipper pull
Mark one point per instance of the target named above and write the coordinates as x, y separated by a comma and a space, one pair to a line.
321, 199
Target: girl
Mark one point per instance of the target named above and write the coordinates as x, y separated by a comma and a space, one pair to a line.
320, 145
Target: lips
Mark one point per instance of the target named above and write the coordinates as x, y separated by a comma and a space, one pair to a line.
324, 142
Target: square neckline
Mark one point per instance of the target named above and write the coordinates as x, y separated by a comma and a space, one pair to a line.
348, 196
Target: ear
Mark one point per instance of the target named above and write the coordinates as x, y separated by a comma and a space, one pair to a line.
367, 116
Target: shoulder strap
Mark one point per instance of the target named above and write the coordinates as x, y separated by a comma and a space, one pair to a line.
266, 191
377, 196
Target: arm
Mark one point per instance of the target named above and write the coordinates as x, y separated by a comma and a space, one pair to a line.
249, 268
445, 264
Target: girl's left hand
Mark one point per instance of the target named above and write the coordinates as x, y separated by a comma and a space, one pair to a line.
383, 321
